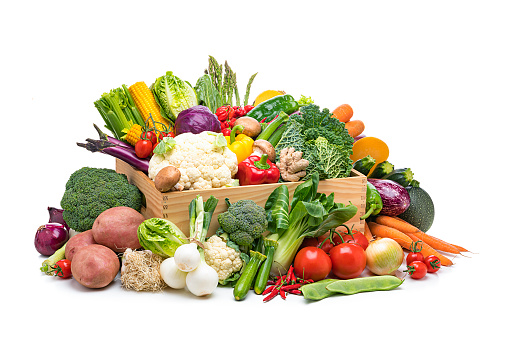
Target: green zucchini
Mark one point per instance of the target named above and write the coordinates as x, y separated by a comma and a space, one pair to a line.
404, 176
421, 211
381, 170
364, 165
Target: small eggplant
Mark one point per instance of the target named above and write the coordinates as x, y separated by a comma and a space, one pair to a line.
395, 198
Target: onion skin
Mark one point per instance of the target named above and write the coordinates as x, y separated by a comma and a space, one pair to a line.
384, 256
50, 237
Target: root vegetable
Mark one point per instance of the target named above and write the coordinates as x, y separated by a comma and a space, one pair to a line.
291, 165
95, 266
140, 271
187, 257
167, 178
77, 241
203, 280
172, 275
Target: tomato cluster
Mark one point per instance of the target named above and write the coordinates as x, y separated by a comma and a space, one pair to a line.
227, 115
343, 254
148, 142
418, 266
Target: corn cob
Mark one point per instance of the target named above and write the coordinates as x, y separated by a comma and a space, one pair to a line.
132, 134
144, 99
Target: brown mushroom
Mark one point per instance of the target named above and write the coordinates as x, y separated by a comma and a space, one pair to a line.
252, 127
167, 178
261, 147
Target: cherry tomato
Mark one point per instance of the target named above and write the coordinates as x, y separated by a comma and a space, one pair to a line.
312, 263
417, 269
414, 256
327, 243
62, 269
356, 237
348, 260
164, 134
310, 242
149, 135
433, 263
143, 148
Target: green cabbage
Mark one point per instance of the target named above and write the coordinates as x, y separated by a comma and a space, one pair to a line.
173, 95
160, 236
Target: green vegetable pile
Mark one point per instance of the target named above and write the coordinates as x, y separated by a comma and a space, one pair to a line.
324, 141
90, 191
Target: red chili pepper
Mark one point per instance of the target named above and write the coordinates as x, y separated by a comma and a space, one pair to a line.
226, 131
283, 294
296, 292
257, 170
291, 287
248, 108
271, 295
268, 290
263, 120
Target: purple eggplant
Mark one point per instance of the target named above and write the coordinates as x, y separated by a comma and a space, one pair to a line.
395, 198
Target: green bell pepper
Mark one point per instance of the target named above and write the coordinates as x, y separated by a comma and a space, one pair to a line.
270, 108
373, 201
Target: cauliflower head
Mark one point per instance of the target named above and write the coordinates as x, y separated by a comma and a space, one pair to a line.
222, 258
202, 164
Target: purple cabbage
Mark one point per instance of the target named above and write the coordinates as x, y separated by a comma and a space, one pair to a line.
196, 120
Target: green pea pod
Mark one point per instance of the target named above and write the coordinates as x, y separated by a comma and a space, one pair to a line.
373, 201
270, 108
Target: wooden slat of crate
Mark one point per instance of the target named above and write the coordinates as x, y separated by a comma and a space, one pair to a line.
173, 206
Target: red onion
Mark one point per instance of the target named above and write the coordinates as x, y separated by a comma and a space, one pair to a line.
56, 215
50, 237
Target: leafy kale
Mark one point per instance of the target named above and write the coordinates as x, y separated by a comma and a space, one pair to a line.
324, 141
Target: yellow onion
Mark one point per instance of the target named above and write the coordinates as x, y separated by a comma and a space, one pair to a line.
384, 256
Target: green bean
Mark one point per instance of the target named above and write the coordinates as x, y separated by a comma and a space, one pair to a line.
366, 284
317, 290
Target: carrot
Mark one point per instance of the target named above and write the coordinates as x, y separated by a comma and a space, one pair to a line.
393, 222
461, 249
368, 233
437, 243
427, 250
355, 127
387, 232
343, 113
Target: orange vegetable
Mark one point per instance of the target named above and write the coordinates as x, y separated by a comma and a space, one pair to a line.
427, 250
368, 233
437, 243
382, 231
393, 222
355, 127
372, 146
343, 113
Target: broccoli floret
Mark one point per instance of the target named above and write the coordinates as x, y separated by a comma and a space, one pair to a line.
244, 221
90, 191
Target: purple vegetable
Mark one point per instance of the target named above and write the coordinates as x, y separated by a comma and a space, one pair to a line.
196, 120
50, 237
395, 198
359, 137
56, 216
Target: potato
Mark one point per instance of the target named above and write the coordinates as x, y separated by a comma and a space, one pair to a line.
77, 241
116, 228
94, 266
167, 178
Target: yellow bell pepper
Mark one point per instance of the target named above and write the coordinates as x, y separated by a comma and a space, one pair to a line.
241, 145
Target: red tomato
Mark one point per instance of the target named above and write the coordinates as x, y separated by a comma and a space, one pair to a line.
165, 134
327, 244
312, 263
417, 269
309, 242
414, 256
348, 260
149, 135
62, 269
356, 237
433, 263
143, 148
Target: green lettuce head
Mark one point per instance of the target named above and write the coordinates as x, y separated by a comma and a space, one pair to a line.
160, 236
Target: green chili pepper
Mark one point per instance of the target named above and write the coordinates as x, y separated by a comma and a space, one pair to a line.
373, 201
269, 109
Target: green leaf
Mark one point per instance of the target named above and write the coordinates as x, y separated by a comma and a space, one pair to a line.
277, 207
165, 146
339, 216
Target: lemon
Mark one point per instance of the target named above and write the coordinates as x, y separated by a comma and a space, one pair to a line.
266, 95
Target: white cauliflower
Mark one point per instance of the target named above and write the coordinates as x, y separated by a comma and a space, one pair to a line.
202, 164
225, 260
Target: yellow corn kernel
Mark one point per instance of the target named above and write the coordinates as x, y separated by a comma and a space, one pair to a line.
145, 102
133, 134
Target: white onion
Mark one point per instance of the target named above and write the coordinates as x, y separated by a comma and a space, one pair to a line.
384, 256
203, 280
172, 275
187, 257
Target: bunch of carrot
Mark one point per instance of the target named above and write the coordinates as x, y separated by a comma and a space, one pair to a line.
405, 234
344, 114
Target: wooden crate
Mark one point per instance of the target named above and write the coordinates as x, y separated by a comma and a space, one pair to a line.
173, 206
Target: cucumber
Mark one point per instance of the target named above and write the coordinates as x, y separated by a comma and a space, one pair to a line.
364, 165
421, 211
381, 170
404, 177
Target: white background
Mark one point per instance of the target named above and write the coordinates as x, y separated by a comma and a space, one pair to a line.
426, 77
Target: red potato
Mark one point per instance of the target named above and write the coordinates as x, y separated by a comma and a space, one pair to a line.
77, 241
116, 228
95, 266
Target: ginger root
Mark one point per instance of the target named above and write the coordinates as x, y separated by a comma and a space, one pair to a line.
291, 165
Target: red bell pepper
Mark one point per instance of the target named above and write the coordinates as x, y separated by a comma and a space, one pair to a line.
257, 170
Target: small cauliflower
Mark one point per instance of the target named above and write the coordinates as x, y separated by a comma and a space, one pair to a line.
222, 258
203, 163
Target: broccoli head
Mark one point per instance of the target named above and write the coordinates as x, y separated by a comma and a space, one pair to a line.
91, 191
244, 221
